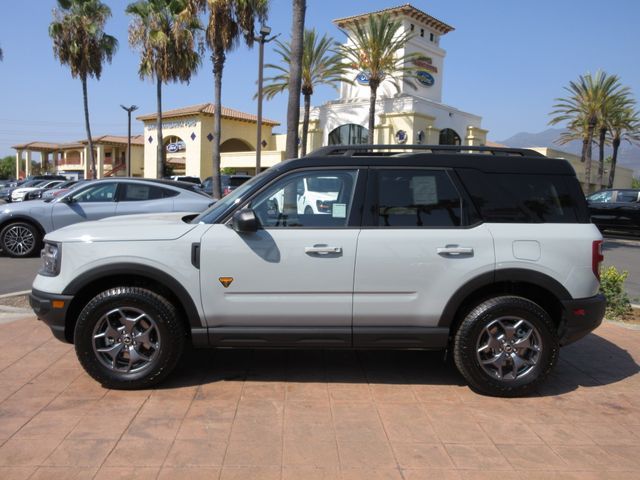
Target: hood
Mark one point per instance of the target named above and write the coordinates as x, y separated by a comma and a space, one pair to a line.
126, 228
30, 208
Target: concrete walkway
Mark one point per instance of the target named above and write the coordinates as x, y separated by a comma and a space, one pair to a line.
316, 415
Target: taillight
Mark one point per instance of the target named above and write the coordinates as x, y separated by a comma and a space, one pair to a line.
596, 257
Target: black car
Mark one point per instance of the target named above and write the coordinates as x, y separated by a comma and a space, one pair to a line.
228, 183
616, 209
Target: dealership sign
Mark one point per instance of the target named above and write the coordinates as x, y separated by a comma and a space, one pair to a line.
363, 79
425, 78
176, 147
425, 64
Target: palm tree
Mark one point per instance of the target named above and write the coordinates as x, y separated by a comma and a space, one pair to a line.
79, 41
624, 124
228, 21
1, 55
320, 66
295, 77
583, 109
376, 47
166, 34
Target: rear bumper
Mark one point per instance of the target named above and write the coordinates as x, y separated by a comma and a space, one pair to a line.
54, 315
582, 316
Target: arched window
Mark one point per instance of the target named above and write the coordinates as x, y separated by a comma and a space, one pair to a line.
349, 134
449, 137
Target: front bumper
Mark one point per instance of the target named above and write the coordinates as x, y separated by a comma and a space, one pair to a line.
51, 308
582, 316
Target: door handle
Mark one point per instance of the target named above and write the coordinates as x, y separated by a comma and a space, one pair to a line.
454, 250
322, 250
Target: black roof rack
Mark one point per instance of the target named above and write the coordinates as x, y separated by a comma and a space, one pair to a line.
382, 150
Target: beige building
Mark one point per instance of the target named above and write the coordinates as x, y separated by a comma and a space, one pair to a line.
73, 158
188, 134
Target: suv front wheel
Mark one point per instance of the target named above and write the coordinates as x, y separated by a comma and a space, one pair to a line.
129, 337
506, 346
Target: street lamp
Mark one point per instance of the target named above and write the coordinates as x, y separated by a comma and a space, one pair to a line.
130, 109
262, 39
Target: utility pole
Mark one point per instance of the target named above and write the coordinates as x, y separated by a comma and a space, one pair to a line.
129, 110
262, 39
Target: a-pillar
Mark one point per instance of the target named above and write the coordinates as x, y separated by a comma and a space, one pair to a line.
27, 164
18, 159
100, 161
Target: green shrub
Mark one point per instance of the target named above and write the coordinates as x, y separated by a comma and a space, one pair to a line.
612, 285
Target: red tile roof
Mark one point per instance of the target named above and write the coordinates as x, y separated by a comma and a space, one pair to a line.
208, 109
406, 9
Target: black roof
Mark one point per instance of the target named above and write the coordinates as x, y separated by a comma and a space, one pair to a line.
192, 187
485, 159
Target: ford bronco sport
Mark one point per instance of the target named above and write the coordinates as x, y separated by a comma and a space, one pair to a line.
486, 252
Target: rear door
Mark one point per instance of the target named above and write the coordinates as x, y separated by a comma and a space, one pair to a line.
134, 198
415, 250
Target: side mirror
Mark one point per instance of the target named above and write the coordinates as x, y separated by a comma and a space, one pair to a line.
245, 221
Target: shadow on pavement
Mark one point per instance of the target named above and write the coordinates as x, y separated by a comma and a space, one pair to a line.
593, 361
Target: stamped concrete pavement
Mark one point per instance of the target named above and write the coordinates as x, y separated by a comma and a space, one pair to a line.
316, 415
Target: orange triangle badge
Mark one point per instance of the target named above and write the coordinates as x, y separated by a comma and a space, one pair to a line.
226, 281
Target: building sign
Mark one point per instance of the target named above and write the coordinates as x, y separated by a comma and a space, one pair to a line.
426, 64
363, 79
401, 136
425, 78
174, 147
174, 124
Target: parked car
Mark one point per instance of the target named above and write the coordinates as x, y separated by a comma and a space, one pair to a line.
228, 183
5, 193
49, 192
490, 256
617, 209
24, 224
186, 178
18, 194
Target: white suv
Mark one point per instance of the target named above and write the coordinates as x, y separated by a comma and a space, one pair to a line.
487, 252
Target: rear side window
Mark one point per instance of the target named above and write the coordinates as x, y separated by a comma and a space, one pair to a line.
627, 196
133, 192
416, 198
513, 198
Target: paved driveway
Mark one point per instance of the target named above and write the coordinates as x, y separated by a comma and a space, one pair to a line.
316, 414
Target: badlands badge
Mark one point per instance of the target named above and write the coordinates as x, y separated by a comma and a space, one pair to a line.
226, 281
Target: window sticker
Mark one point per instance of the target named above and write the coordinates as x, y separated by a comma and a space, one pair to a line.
339, 210
424, 190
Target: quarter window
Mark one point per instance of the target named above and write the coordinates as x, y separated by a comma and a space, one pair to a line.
320, 198
416, 198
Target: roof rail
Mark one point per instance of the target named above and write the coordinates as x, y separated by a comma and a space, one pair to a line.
381, 150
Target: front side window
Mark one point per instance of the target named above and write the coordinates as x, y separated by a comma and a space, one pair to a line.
416, 198
627, 197
104, 192
320, 198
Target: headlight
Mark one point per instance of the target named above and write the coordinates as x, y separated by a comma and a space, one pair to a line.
51, 256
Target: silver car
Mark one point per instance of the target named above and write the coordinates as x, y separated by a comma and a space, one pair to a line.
24, 224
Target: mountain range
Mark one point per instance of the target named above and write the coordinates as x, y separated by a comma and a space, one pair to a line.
628, 154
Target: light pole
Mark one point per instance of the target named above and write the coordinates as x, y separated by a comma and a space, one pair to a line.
262, 39
130, 109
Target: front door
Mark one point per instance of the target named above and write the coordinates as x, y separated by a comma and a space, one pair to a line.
93, 202
291, 282
415, 253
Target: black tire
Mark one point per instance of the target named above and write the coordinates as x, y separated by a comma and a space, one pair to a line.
20, 240
469, 339
168, 330
308, 210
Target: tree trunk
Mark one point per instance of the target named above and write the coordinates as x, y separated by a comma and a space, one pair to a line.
372, 111
295, 77
160, 147
614, 159
305, 124
601, 140
218, 65
85, 99
586, 150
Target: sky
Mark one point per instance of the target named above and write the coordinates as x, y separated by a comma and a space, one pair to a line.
506, 61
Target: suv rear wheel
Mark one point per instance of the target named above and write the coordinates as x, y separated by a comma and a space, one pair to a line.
506, 346
129, 337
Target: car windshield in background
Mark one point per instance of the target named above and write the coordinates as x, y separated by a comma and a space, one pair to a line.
323, 184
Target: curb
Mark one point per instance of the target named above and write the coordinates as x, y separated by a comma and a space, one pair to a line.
14, 294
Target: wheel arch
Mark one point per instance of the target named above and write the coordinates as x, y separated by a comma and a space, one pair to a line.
535, 286
90, 283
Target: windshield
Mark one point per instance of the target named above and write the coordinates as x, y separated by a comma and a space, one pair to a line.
211, 214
